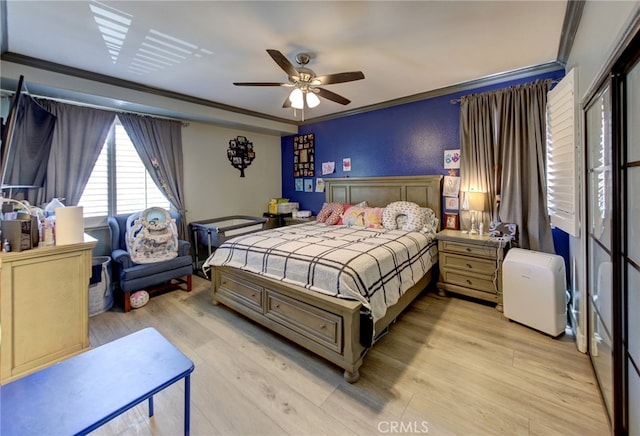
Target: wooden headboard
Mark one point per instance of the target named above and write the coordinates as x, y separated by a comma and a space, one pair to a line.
380, 191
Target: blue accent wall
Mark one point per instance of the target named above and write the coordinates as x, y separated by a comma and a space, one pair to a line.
408, 139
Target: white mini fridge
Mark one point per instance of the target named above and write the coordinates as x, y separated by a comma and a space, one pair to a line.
534, 290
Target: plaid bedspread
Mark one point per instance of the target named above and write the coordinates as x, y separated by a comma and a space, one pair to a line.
373, 266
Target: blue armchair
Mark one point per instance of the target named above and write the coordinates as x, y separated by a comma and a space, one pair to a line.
152, 277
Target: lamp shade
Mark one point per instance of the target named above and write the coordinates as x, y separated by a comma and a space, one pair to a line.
312, 99
476, 200
296, 99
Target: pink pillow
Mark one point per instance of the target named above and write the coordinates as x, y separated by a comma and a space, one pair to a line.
369, 217
346, 208
353, 216
330, 213
373, 217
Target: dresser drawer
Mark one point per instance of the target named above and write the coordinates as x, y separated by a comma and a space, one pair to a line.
242, 291
488, 252
481, 283
322, 327
467, 264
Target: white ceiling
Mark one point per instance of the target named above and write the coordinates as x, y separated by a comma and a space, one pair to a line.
403, 48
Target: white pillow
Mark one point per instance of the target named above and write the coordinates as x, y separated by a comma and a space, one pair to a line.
405, 215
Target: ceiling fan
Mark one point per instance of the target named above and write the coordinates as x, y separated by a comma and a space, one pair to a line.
305, 82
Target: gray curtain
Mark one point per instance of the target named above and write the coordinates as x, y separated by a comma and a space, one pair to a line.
514, 165
78, 138
159, 144
479, 165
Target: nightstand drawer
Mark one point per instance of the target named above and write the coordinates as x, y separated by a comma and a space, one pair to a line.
467, 264
488, 251
481, 283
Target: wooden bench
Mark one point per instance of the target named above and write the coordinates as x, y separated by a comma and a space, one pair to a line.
80, 394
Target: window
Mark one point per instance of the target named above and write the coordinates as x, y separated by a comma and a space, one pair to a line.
119, 182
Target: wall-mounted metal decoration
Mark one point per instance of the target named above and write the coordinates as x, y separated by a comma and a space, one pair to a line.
240, 153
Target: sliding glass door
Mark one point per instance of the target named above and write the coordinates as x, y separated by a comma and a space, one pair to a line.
612, 162
630, 258
599, 247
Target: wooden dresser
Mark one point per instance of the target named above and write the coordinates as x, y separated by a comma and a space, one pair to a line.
44, 306
471, 265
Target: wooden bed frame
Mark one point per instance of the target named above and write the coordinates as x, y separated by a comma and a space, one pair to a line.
325, 325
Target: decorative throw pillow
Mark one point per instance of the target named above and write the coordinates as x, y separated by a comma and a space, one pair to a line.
353, 217
373, 217
431, 223
330, 213
346, 207
413, 216
430, 220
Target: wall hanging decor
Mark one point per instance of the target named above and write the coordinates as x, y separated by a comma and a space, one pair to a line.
451, 159
241, 153
451, 221
303, 155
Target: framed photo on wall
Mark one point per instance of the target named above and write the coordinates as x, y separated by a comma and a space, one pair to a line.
451, 221
308, 185
451, 203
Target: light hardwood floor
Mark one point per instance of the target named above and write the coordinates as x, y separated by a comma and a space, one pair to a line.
447, 366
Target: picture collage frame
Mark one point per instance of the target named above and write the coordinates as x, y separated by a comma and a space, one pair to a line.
304, 155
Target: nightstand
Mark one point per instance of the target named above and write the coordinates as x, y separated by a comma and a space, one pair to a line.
290, 221
471, 265
275, 219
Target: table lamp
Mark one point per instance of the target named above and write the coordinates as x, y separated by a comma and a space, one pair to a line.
476, 202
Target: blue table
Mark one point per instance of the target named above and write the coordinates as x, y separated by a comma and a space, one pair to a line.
80, 394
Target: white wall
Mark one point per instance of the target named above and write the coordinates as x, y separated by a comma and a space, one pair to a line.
602, 26
213, 188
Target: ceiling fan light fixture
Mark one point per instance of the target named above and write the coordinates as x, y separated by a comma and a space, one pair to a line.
312, 99
296, 99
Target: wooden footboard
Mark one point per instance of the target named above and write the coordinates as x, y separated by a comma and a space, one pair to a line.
327, 326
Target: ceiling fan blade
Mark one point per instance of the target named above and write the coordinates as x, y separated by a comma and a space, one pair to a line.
287, 103
283, 62
331, 96
260, 84
339, 78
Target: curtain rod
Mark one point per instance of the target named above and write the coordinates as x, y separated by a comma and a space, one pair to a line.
7, 94
458, 100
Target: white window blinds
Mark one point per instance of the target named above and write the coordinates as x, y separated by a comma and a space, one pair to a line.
119, 182
562, 176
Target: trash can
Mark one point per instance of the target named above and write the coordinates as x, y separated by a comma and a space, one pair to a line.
100, 287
